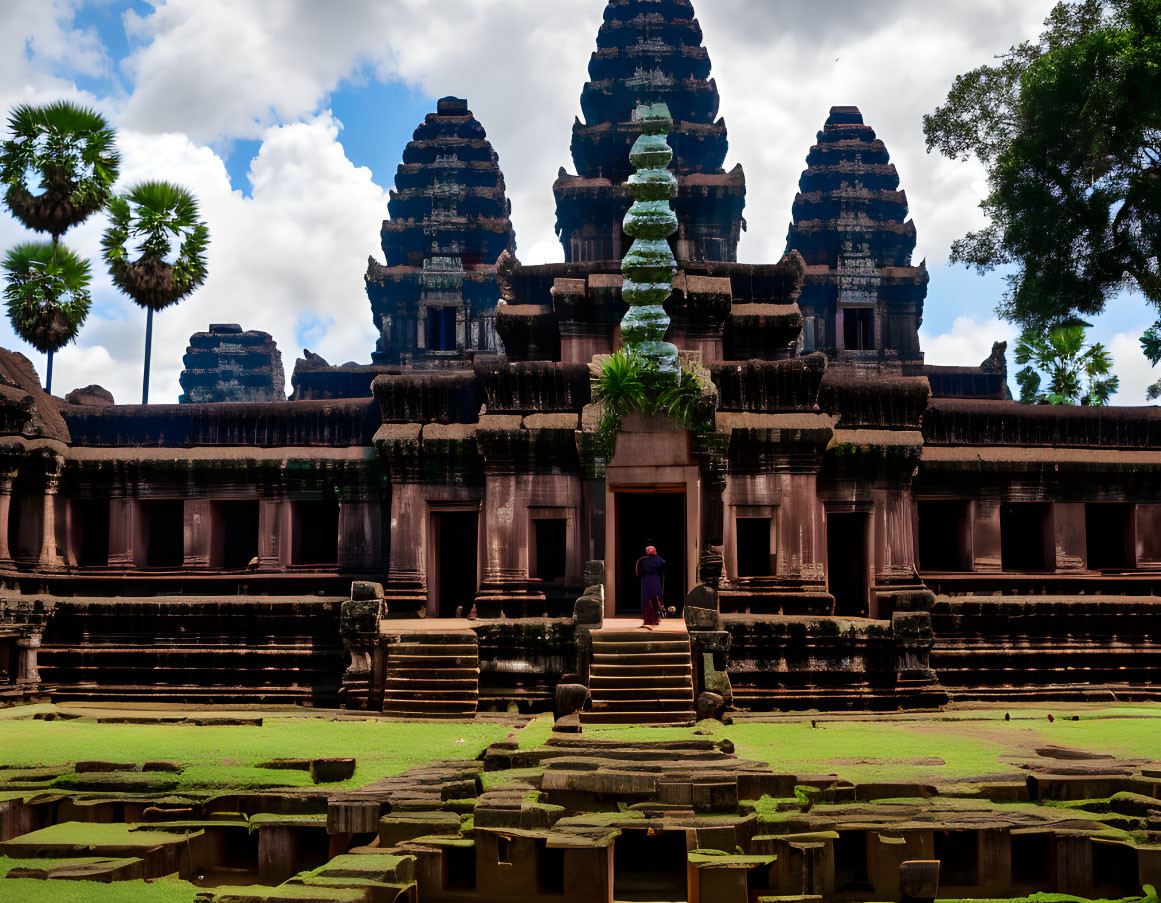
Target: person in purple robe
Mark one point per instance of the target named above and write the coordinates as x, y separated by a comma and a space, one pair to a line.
650, 569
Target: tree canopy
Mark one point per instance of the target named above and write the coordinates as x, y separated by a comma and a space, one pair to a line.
1069, 130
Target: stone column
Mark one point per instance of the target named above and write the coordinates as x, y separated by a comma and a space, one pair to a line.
1068, 545
50, 557
270, 533
986, 549
122, 533
407, 569
5, 514
197, 519
27, 670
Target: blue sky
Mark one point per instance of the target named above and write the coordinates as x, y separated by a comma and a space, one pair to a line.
288, 118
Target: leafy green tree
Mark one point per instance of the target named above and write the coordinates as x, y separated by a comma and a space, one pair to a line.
155, 247
1151, 345
1077, 373
70, 152
67, 154
47, 295
1069, 130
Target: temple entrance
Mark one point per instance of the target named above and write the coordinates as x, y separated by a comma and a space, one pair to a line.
650, 519
456, 538
848, 571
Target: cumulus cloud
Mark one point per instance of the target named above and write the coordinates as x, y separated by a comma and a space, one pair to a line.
290, 258
1134, 369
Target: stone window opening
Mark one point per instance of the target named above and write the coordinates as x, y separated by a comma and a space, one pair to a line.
233, 534
163, 529
1025, 536
945, 538
8, 659
503, 850
549, 549
859, 329
1110, 536
89, 528
753, 546
315, 533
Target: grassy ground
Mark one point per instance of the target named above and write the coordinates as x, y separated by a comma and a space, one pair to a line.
943, 747
224, 757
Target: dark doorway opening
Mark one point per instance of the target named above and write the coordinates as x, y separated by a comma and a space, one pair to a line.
460, 863
441, 329
650, 865
164, 528
944, 536
316, 531
958, 853
650, 519
90, 528
549, 549
1033, 860
235, 534
456, 536
1110, 538
551, 874
1024, 536
753, 539
847, 563
859, 329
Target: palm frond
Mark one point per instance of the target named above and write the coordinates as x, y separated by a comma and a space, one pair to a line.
71, 149
46, 294
145, 224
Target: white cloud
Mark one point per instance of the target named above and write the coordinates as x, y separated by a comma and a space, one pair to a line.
206, 72
969, 343
1134, 369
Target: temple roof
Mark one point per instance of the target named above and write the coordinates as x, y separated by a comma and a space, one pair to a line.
648, 51
849, 202
449, 198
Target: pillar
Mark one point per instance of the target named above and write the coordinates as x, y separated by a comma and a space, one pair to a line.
50, 557
361, 535
270, 543
5, 514
197, 524
986, 548
407, 568
122, 533
1070, 541
505, 526
27, 670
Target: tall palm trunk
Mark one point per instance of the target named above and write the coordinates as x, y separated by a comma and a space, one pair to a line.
148, 352
48, 375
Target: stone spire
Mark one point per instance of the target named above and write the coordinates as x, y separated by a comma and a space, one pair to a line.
228, 364
650, 266
650, 51
450, 222
863, 300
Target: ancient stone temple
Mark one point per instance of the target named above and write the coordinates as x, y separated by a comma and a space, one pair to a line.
434, 302
227, 364
455, 528
862, 302
649, 52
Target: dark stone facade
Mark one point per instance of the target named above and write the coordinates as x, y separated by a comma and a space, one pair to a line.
863, 300
435, 300
227, 364
649, 52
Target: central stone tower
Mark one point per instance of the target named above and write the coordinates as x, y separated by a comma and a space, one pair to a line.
649, 52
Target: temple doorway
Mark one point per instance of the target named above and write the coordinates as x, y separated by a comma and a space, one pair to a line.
456, 537
848, 569
650, 519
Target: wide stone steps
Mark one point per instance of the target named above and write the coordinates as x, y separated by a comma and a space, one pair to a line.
432, 675
640, 677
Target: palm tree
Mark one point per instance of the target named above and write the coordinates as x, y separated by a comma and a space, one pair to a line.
1063, 356
147, 222
70, 151
47, 296
65, 152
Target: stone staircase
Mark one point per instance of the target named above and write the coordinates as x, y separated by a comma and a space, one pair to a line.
432, 675
640, 677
